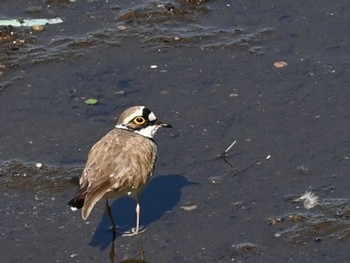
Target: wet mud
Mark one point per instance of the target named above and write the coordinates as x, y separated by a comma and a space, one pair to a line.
208, 68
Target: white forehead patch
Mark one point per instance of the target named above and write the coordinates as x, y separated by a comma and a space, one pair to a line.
152, 117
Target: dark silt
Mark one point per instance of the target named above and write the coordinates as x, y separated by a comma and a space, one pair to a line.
206, 67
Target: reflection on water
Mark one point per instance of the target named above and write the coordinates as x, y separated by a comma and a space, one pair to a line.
113, 252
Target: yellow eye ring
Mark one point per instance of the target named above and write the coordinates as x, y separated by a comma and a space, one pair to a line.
139, 120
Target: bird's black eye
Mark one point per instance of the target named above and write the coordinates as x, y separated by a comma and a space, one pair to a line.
139, 120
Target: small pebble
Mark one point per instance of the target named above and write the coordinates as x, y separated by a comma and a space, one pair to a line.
216, 179
302, 169
38, 28
277, 235
189, 207
39, 165
244, 248
120, 93
122, 27
280, 64
275, 221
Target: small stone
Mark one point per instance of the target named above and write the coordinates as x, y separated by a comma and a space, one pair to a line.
216, 179
39, 165
244, 248
189, 207
122, 27
275, 221
280, 64
277, 235
120, 93
38, 28
302, 169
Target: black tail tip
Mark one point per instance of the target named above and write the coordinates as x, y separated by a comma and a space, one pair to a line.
76, 203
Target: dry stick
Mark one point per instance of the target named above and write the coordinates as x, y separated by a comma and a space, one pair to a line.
223, 155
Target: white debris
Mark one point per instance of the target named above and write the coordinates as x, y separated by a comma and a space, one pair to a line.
30, 22
73, 208
310, 200
39, 165
229, 148
189, 207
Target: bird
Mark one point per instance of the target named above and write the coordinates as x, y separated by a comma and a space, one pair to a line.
121, 163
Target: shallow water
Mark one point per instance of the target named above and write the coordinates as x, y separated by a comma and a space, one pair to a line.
207, 68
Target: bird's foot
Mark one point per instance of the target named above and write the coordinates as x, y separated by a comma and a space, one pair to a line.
133, 232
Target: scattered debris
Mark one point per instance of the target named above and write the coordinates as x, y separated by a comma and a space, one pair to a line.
330, 221
15, 174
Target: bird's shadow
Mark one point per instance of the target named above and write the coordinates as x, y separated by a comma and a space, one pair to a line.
160, 195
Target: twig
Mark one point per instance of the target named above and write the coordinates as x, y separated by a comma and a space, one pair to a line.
223, 155
229, 148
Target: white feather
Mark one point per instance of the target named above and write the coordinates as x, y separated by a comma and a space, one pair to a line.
149, 131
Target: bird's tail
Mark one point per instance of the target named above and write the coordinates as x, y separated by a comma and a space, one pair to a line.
79, 199
77, 202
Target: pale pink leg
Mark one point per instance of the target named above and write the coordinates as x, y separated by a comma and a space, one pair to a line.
136, 231
137, 217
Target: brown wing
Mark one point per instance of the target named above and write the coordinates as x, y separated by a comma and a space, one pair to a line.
121, 161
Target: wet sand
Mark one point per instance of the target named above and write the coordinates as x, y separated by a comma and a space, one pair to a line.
208, 69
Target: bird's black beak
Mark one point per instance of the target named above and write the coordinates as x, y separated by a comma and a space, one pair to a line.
162, 124
166, 125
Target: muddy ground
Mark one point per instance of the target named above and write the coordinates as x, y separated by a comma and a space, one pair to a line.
206, 67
